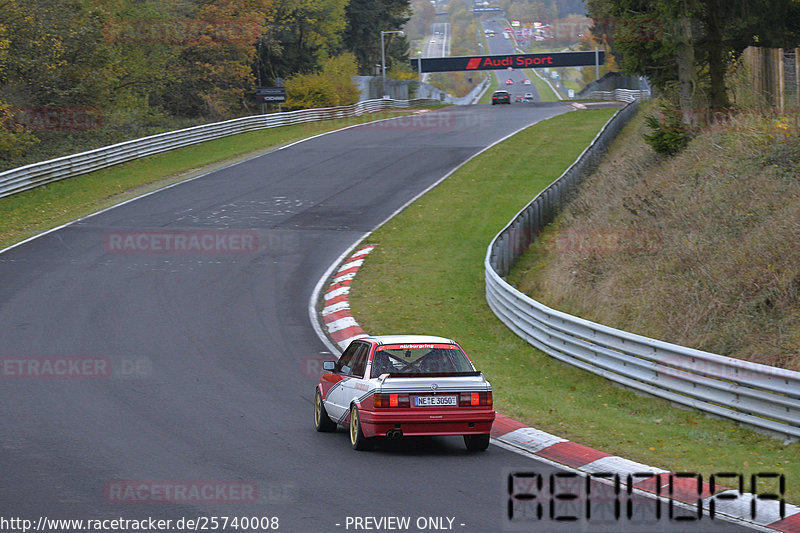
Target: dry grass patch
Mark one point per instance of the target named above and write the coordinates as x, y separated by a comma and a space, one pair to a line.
723, 274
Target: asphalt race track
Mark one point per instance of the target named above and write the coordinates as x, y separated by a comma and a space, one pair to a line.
195, 369
499, 45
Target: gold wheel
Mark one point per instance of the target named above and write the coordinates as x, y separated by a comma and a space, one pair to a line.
321, 420
354, 426
357, 438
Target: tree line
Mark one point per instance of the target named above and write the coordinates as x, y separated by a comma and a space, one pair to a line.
541, 10
150, 61
686, 48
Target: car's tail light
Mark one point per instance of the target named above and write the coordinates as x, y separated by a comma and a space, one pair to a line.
474, 399
391, 400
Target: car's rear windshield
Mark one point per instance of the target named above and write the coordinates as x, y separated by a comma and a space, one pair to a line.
421, 359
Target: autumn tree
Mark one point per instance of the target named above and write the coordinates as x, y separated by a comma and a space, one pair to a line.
333, 86
299, 36
216, 50
13, 140
57, 55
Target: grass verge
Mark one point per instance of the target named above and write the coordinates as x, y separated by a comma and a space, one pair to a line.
31, 212
546, 94
426, 276
487, 96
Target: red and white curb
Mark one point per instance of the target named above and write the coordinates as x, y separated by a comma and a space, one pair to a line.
336, 315
343, 329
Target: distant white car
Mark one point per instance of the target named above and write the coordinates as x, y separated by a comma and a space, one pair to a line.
526, 81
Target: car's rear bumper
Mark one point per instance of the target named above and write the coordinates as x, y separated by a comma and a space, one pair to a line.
430, 421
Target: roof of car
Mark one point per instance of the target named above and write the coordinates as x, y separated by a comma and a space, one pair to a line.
498, 92
409, 339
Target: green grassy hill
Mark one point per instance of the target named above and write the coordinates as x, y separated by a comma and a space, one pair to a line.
720, 266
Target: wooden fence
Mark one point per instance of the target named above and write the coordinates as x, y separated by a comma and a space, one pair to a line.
775, 74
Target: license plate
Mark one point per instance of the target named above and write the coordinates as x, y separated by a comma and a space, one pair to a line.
434, 401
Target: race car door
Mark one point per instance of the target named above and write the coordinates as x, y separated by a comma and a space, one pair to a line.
337, 400
356, 386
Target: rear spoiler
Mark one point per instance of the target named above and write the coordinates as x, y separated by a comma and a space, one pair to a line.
472, 373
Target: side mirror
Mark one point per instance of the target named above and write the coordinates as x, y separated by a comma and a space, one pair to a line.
328, 365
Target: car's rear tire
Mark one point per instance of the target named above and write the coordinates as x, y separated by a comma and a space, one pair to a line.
476, 443
357, 439
322, 422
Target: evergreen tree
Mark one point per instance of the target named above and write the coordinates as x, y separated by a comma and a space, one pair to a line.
695, 39
365, 21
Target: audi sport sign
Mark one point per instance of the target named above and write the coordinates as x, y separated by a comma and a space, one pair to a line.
502, 62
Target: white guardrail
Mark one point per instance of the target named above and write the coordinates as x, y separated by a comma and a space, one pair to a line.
23, 178
761, 396
620, 95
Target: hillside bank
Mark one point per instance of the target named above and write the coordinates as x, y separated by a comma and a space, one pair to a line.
701, 249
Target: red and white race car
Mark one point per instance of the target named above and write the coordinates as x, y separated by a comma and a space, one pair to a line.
396, 385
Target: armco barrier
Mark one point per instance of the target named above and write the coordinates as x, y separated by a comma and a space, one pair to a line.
761, 396
621, 95
23, 178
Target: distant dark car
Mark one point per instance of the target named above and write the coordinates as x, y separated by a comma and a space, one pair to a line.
501, 97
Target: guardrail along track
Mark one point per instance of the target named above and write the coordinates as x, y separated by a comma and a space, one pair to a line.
767, 398
621, 95
34, 175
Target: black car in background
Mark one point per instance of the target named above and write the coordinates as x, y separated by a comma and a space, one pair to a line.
501, 97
